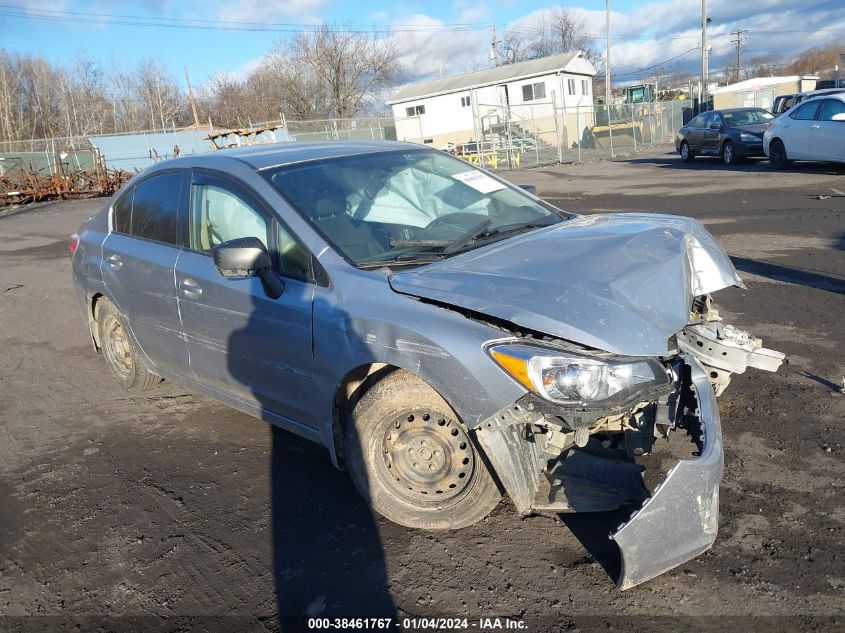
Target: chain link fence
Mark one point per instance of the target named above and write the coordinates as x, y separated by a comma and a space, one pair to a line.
526, 135
494, 136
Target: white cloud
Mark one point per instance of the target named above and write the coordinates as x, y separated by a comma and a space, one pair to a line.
307, 11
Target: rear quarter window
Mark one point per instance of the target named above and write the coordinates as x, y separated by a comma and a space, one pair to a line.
155, 208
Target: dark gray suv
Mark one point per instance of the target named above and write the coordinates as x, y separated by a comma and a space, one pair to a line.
447, 336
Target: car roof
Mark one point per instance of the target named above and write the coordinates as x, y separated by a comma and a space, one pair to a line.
270, 155
739, 109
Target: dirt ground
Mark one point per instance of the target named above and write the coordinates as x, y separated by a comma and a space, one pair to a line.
171, 512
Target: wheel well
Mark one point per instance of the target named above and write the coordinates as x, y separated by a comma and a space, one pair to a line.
93, 309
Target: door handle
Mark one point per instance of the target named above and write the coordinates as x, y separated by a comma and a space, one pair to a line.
815, 127
115, 262
190, 288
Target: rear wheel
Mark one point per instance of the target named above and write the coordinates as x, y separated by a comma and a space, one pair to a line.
686, 153
120, 352
729, 156
412, 459
777, 154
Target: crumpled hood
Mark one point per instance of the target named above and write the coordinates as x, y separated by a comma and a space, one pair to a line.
623, 283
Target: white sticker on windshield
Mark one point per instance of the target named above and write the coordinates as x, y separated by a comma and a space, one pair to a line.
479, 181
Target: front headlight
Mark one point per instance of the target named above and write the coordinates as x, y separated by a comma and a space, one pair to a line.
575, 379
749, 138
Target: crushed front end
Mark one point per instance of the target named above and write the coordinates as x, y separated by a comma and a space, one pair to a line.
584, 438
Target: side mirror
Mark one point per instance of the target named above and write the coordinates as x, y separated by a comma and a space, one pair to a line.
530, 189
715, 126
248, 257
838, 117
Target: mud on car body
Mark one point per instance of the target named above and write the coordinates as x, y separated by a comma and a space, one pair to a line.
447, 336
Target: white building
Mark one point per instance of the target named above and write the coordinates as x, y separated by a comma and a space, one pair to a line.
760, 92
470, 107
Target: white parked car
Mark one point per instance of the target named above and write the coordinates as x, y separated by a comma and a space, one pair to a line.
811, 130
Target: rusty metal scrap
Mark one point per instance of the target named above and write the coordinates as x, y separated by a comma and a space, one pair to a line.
22, 186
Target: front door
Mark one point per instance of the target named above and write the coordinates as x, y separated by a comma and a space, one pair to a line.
797, 129
712, 133
139, 256
827, 137
240, 341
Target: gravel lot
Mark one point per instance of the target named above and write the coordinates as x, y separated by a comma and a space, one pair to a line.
114, 504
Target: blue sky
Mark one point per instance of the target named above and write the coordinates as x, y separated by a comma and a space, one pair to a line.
646, 33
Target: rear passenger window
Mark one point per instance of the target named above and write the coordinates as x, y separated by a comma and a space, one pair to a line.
155, 208
122, 212
830, 108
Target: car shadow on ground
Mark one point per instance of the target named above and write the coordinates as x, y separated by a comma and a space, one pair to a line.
593, 530
789, 274
672, 160
328, 559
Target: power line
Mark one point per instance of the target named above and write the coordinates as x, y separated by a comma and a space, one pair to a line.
14, 11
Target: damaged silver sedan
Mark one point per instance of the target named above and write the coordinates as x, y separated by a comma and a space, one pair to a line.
447, 336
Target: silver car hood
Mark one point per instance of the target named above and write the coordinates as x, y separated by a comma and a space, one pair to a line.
623, 283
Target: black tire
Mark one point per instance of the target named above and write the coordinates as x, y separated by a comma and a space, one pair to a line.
728, 153
777, 154
687, 155
120, 351
412, 459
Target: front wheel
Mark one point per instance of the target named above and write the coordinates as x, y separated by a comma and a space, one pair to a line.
729, 156
777, 154
412, 459
119, 350
686, 153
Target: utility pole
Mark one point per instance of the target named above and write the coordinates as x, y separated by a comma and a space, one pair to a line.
191, 97
738, 41
703, 54
494, 50
607, 55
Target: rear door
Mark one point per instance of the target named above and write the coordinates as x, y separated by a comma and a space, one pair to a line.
797, 129
710, 136
693, 137
139, 256
241, 342
827, 137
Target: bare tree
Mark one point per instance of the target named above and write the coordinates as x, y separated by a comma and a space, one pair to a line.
350, 66
158, 91
562, 32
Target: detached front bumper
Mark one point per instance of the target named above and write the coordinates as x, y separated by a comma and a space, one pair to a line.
681, 518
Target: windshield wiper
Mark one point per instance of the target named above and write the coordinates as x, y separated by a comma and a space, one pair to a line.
405, 258
482, 229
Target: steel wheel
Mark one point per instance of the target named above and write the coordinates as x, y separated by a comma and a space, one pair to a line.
427, 457
116, 347
412, 459
120, 350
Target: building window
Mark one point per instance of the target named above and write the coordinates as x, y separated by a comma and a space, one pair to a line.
466, 102
570, 83
415, 110
534, 91
585, 87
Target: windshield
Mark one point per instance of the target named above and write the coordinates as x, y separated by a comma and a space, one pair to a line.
406, 206
746, 117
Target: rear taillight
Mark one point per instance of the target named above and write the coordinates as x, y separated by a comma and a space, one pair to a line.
73, 244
